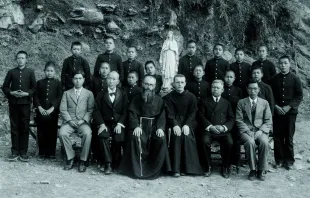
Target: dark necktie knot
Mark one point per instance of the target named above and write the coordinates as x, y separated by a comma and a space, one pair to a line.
112, 94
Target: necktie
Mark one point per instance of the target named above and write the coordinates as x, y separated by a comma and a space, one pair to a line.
112, 94
77, 94
253, 109
216, 99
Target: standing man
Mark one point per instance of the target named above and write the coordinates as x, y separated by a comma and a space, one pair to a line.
76, 108
19, 86
146, 156
217, 118
254, 121
288, 94
181, 107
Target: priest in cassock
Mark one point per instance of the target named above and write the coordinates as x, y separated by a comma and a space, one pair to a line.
181, 107
146, 155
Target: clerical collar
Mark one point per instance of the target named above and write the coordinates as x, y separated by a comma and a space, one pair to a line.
218, 98
79, 90
251, 100
111, 90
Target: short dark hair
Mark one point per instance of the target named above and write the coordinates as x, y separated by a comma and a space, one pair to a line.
179, 76
49, 64
78, 72
239, 49
104, 62
230, 70
190, 42
263, 45
21, 52
134, 72
285, 57
257, 67
134, 47
108, 37
199, 66
76, 43
250, 81
149, 62
218, 44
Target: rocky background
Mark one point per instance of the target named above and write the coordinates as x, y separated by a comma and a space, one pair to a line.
46, 29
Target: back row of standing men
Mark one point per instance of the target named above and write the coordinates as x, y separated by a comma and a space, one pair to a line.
284, 95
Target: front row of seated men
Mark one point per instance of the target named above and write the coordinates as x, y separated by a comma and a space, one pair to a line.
150, 125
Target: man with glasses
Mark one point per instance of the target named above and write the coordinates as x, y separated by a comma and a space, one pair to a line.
254, 121
146, 155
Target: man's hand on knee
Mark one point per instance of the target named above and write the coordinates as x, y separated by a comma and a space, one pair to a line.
160, 133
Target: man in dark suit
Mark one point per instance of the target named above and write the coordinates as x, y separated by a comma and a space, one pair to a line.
217, 118
254, 121
76, 108
109, 118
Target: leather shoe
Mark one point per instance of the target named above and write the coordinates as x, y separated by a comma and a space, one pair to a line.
225, 172
251, 175
289, 166
82, 166
176, 175
261, 175
108, 169
208, 172
69, 165
277, 165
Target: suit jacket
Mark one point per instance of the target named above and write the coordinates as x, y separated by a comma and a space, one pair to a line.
211, 113
73, 109
263, 116
108, 112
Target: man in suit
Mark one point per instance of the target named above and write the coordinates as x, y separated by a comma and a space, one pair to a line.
254, 121
76, 108
217, 119
109, 119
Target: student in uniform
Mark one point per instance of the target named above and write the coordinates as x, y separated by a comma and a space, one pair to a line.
99, 83
151, 70
188, 62
46, 100
19, 86
72, 64
216, 67
133, 65
132, 88
199, 87
111, 57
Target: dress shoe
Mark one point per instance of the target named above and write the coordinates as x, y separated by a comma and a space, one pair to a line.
24, 158
289, 166
277, 165
82, 166
13, 158
176, 175
261, 175
69, 165
108, 169
225, 172
208, 172
252, 175
41, 157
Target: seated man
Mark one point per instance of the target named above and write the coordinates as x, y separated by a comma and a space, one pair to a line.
254, 121
76, 110
147, 153
217, 119
109, 118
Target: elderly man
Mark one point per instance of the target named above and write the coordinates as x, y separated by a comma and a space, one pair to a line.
217, 119
147, 151
254, 121
76, 108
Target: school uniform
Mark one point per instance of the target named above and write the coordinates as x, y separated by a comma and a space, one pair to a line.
215, 69
269, 69
98, 84
242, 72
132, 91
133, 65
48, 94
201, 89
187, 65
19, 108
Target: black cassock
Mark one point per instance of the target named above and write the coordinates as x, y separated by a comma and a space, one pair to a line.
146, 157
181, 110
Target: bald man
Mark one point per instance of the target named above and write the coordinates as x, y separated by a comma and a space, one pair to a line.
109, 118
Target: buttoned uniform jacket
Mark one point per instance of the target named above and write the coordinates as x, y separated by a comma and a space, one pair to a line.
133, 65
75, 109
201, 89
187, 65
132, 91
215, 69
115, 62
242, 72
263, 116
269, 69
19, 79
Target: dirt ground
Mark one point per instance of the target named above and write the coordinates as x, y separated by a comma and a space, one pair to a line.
18, 179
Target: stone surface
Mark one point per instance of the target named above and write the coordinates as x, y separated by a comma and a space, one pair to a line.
86, 16
11, 13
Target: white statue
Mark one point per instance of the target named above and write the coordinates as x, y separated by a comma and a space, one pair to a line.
169, 60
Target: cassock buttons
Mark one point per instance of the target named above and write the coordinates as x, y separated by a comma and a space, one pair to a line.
46, 98
101, 89
130, 92
112, 118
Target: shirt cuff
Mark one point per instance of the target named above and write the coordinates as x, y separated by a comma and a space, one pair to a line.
208, 128
121, 125
225, 128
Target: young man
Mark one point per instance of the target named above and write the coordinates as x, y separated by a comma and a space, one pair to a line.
217, 118
199, 87
132, 88
188, 62
72, 64
133, 65
99, 83
146, 156
242, 69
181, 107
288, 94
151, 70
109, 56
265, 90
76, 108
216, 67
110, 118
254, 121
268, 67
19, 86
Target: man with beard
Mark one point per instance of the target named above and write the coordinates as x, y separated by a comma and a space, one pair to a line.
181, 107
147, 151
